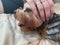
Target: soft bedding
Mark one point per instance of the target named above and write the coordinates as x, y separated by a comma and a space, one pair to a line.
11, 34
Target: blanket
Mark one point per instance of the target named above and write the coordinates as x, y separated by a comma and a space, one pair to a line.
11, 33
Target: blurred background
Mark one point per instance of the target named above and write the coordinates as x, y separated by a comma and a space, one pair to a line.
56, 1
57, 6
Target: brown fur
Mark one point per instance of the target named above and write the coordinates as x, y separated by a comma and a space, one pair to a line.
32, 22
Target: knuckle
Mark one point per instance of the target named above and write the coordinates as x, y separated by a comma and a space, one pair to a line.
46, 6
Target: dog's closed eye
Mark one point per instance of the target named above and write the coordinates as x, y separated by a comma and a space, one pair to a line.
27, 10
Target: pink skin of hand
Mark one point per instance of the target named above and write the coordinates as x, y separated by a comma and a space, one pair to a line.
45, 8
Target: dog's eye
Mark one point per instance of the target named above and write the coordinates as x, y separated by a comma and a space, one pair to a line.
28, 10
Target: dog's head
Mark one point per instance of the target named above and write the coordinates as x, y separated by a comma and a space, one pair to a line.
28, 21
27, 18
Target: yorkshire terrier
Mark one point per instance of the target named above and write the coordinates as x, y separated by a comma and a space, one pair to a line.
41, 27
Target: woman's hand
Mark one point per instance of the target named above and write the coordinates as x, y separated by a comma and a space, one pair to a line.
45, 8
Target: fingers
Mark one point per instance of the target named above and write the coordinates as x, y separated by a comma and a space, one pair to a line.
40, 9
46, 9
51, 3
33, 7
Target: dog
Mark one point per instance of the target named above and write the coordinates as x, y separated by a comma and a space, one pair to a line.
43, 28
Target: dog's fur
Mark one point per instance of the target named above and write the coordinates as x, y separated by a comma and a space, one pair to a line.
27, 11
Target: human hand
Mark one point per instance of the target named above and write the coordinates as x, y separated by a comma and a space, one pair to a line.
45, 8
